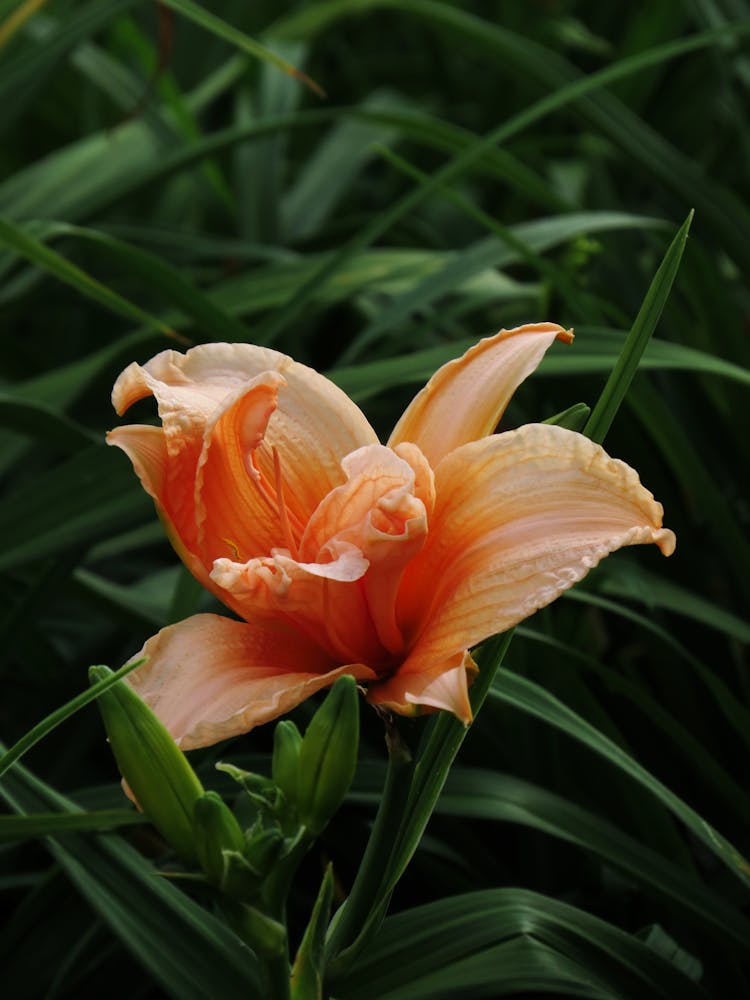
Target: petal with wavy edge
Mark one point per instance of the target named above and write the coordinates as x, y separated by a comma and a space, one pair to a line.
465, 399
325, 600
445, 686
424, 477
377, 511
519, 518
209, 678
313, 428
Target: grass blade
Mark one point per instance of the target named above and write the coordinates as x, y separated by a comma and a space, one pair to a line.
645, 323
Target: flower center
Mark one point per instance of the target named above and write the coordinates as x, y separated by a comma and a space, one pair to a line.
291, 526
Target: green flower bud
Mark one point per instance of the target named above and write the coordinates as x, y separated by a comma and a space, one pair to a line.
216, 832
285, 764
262, 791
328, 755
155, 769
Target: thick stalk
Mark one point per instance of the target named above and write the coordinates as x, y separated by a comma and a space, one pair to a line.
402, 818
356, 910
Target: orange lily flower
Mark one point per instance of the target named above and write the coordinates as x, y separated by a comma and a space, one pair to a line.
342, 555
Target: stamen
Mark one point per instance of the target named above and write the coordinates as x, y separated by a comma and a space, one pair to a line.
234, 547
281, 505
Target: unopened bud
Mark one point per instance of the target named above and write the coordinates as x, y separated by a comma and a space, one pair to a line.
287, 741
328, 755
216, 832
157, 772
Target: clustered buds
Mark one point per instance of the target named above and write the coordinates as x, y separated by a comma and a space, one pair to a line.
310, 775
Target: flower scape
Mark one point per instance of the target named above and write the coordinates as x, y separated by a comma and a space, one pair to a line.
342, 555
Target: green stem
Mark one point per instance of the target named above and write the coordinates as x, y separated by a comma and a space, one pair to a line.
403, 815
278, 974
275, 892
440, 749
278, 883
354, 913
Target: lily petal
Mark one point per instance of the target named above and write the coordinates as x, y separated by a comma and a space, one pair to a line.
314, 427
465, 399
209, 678
377, 511
234, 511
171, 492
443, 686
323, 600
519, 518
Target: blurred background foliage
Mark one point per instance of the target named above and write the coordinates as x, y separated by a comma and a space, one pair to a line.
163, 181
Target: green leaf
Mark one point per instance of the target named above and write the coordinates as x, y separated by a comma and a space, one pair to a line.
154, 272
210, 22
184, 947
307, 971
93, 494
20, 241
44, 424
22, 76
526, 696
53, 720
637, 584
500, 941
517, 245
15, 828
640, 333
483, 794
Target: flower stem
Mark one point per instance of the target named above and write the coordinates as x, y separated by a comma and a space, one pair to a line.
356, 911
404, 812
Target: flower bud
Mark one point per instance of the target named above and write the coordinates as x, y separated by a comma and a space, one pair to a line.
216, 832
328, 755
261, 790
157, 772
285, 763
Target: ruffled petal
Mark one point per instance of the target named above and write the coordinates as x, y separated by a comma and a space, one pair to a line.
418, 685
314, 426
519, 518
465, 399
209, 678
376, 511
323, 600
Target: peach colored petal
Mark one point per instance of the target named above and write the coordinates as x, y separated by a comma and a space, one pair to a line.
325, 600
313, 428
418, 684
376, 511
519, 518
236, 512
209, 678
171, 491
424, 477
465, 399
